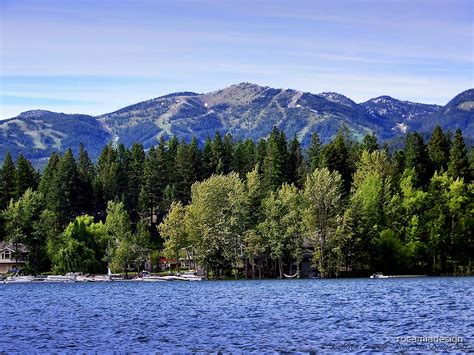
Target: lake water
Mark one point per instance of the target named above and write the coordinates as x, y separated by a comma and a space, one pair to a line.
236, 316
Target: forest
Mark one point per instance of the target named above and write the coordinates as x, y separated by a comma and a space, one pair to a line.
248, 209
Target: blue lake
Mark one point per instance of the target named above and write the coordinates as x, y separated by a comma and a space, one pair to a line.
236, 316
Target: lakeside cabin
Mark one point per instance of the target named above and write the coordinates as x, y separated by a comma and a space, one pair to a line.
11, 257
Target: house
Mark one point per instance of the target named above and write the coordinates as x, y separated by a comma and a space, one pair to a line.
11, 256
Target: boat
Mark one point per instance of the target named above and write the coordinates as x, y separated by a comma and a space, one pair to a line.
189, 276
379, 275
147, 277
93, 278
70, 277
295, 275
22, 279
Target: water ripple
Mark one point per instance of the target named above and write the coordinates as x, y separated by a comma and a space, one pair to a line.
231, 316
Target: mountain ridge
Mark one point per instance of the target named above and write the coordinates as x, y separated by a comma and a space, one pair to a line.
245, 110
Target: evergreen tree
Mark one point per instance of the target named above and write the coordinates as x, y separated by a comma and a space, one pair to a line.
8, 181
438, 149
417, 158
156, 178
458, 165
86, 172
207, 161
217, 155
296, 164
369, 143
275, 164
135, 174
184, 172
196, 160
261, 153
65, 201
314, 153
123, 162
337, 156
170, 157
46, 186
107, 173
26, 176
227, 153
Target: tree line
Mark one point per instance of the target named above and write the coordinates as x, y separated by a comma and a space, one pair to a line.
258, 209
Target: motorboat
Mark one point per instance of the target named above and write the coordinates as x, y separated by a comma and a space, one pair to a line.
190, 276
93, 278
23, 279
147, 277
379, 275
70, 277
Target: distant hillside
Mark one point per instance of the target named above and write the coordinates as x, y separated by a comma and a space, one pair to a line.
245, 110
36, 134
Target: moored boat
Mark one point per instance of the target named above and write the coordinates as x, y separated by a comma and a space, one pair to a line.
23, 279
190, 276
68, 278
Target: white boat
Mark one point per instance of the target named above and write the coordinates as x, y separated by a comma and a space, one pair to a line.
190, 276
379, 275
93, 278
22, 279
150, 278
68, 278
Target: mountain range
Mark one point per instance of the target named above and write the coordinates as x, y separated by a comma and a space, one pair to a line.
244, 110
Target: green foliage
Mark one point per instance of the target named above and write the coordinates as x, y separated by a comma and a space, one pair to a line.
353, 208
322, 199
24, 224
458, 163
80, 247
216, 221
8, 181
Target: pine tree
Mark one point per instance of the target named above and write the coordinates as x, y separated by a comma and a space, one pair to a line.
217, 154
417, 158
155, 179
370, 143
64, 192
243, 158
438, 149
261, 153
458, 165
135, 178
123, 161
207, 162
184, 172
170, 156
196, 160
107, 173
296, 164
8, 180
86, 172
337, 156
227, 152
314, 153
275, 164
26, 176
46, 186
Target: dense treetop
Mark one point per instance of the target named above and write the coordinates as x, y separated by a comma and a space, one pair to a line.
254, 209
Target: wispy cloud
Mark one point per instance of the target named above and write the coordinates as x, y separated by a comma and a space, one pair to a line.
106, 54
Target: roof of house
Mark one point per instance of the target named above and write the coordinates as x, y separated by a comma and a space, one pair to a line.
21, 248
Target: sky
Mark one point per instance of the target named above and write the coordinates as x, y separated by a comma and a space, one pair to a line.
96, 56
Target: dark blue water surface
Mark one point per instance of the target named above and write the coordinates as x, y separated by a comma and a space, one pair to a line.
236, 316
